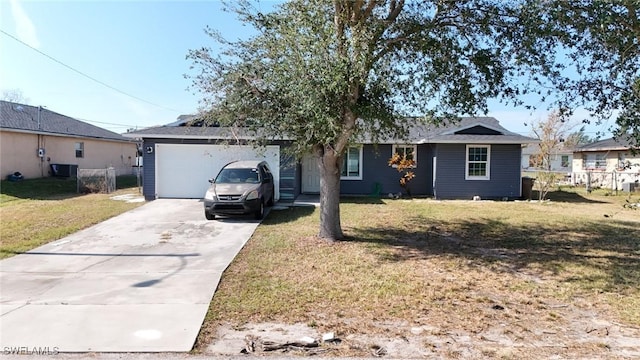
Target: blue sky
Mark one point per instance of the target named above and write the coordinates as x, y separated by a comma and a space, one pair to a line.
137, 47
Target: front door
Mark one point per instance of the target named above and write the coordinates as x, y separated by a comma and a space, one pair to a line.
310, 175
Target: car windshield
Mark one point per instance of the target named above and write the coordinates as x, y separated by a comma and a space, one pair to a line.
235, 176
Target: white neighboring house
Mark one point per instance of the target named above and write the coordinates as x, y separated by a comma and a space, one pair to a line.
561, 159
607, 164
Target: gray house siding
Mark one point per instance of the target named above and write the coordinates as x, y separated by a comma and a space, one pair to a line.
376, 173
289, 176
148, 171
504, 173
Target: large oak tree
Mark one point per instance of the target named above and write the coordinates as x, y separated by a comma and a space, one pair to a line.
326, 73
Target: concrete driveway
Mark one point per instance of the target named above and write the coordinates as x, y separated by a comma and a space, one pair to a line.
139, 282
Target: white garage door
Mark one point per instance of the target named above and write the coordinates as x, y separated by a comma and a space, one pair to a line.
183, 170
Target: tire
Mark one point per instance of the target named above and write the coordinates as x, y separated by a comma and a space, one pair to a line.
271, 200
209, 215
259, 214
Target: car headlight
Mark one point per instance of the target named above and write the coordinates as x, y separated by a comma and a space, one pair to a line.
252, 195
210, 195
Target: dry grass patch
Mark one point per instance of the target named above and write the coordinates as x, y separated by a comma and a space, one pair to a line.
35, 212
490, 275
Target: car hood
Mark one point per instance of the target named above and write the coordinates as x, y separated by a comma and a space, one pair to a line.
233, 189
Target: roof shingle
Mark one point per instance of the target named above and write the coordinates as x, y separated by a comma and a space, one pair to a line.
606, 145
19, 117
418, 134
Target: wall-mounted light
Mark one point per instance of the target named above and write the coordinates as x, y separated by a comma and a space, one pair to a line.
149, 149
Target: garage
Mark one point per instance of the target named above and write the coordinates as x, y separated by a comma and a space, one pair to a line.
183, 170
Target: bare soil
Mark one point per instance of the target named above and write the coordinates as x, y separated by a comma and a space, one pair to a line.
580, 334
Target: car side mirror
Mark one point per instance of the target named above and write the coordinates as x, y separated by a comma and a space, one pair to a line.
211, 181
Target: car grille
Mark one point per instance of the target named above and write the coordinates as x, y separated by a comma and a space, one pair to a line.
229, 197
227, 207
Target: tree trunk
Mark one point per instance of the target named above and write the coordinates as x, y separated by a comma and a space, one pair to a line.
329, 162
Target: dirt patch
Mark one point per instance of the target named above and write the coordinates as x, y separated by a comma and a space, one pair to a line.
578, 334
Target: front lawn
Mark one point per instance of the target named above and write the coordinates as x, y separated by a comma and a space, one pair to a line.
467, 279
36, 211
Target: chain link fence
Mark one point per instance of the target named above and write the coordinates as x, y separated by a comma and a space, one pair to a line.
96, 180
605, 180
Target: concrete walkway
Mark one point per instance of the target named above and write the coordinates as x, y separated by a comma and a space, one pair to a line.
139, 282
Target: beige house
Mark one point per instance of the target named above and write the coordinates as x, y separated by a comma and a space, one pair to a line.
607, 164
38, 142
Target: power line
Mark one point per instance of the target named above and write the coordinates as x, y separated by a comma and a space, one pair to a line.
107, 123
85, 75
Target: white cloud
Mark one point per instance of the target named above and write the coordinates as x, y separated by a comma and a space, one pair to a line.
25, 29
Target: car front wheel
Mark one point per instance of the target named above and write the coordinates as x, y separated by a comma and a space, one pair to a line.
271, 199
260, 212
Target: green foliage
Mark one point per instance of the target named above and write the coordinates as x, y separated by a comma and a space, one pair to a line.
314, 67
601, 40
41, 188
325, 74
577, 139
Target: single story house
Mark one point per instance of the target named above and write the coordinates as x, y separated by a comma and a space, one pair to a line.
607, 164
473, 157
561, 158
33, 138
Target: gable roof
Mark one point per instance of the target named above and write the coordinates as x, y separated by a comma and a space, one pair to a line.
607, 145
38, 120
470, 130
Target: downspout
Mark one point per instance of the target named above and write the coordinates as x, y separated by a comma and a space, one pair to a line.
40, 143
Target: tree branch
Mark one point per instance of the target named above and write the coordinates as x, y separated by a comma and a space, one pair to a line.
370, 6
635, 25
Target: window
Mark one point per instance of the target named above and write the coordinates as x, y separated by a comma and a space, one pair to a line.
410, 151
79, 150
564, 161
594, 161
352, 164
623, 163
477, 164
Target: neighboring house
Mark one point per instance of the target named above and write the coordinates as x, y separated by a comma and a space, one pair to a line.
34, 138
561, 159
607, 163
474, 157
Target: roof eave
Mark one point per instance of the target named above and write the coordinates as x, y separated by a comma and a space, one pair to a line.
35, 132
192, 137
602, 149
481, 141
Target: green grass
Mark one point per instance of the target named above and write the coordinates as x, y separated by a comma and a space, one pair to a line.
37, 211
441, 262
32, 189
